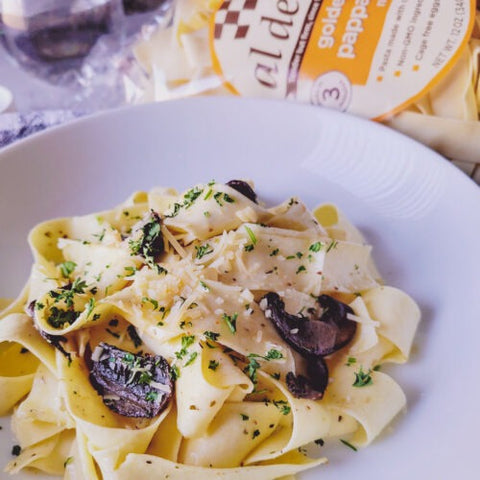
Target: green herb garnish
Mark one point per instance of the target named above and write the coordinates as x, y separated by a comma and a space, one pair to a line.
252, 236
349, 445
316, 247
362, 379
203, 250
213, 365
231, 321
67, 268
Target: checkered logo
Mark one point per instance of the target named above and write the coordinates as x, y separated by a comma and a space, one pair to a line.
230, 21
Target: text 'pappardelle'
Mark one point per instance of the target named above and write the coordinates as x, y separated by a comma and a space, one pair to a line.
198, 336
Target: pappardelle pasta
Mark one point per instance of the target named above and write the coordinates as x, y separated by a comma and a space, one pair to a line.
199, 335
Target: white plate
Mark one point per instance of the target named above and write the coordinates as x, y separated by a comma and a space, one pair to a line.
420, 213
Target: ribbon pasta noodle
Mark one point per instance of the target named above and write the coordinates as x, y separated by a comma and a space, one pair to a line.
245, 401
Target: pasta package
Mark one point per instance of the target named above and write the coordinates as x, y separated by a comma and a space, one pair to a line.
200, 335
412, 65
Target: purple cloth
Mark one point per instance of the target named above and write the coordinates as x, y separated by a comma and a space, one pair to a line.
15, 126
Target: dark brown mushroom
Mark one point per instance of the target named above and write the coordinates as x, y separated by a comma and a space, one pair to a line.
244, 188
312, 387
319, 336
131, 385
313, 338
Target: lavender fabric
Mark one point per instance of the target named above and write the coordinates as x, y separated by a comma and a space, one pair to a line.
15, 126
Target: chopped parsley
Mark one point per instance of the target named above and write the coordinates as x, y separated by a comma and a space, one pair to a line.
208, 194
251, 235
231, 321
67, 268
213, 365
100, 235
151, 301
211, 335
251, 369
203, 250
349, 445
175, 372
151, 396
130, 271
332, 245
228, 198
221, 197
350, 361
362, 379
300, 269
252, 366
187, 341
315, 247
128, 358
68, 292
147, 241
283, 406
59, 317
90, 306
244, 417
39, 306
189, 199
273, 354
191, 359
273, 253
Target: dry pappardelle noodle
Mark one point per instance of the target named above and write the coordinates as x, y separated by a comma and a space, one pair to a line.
178, 64
153, 340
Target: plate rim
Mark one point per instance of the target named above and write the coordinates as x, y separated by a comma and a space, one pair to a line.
237, 102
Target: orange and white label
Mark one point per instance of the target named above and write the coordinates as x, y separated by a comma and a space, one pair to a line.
367, 57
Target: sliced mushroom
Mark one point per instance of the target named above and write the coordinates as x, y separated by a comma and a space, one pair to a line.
335, 313
313, 338
312, 387
131, 385
244, 188
321, 336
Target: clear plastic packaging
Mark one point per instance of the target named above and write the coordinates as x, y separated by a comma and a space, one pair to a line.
78, 47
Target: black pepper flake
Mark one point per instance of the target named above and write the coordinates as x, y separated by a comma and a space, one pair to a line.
134, 337
16, 450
